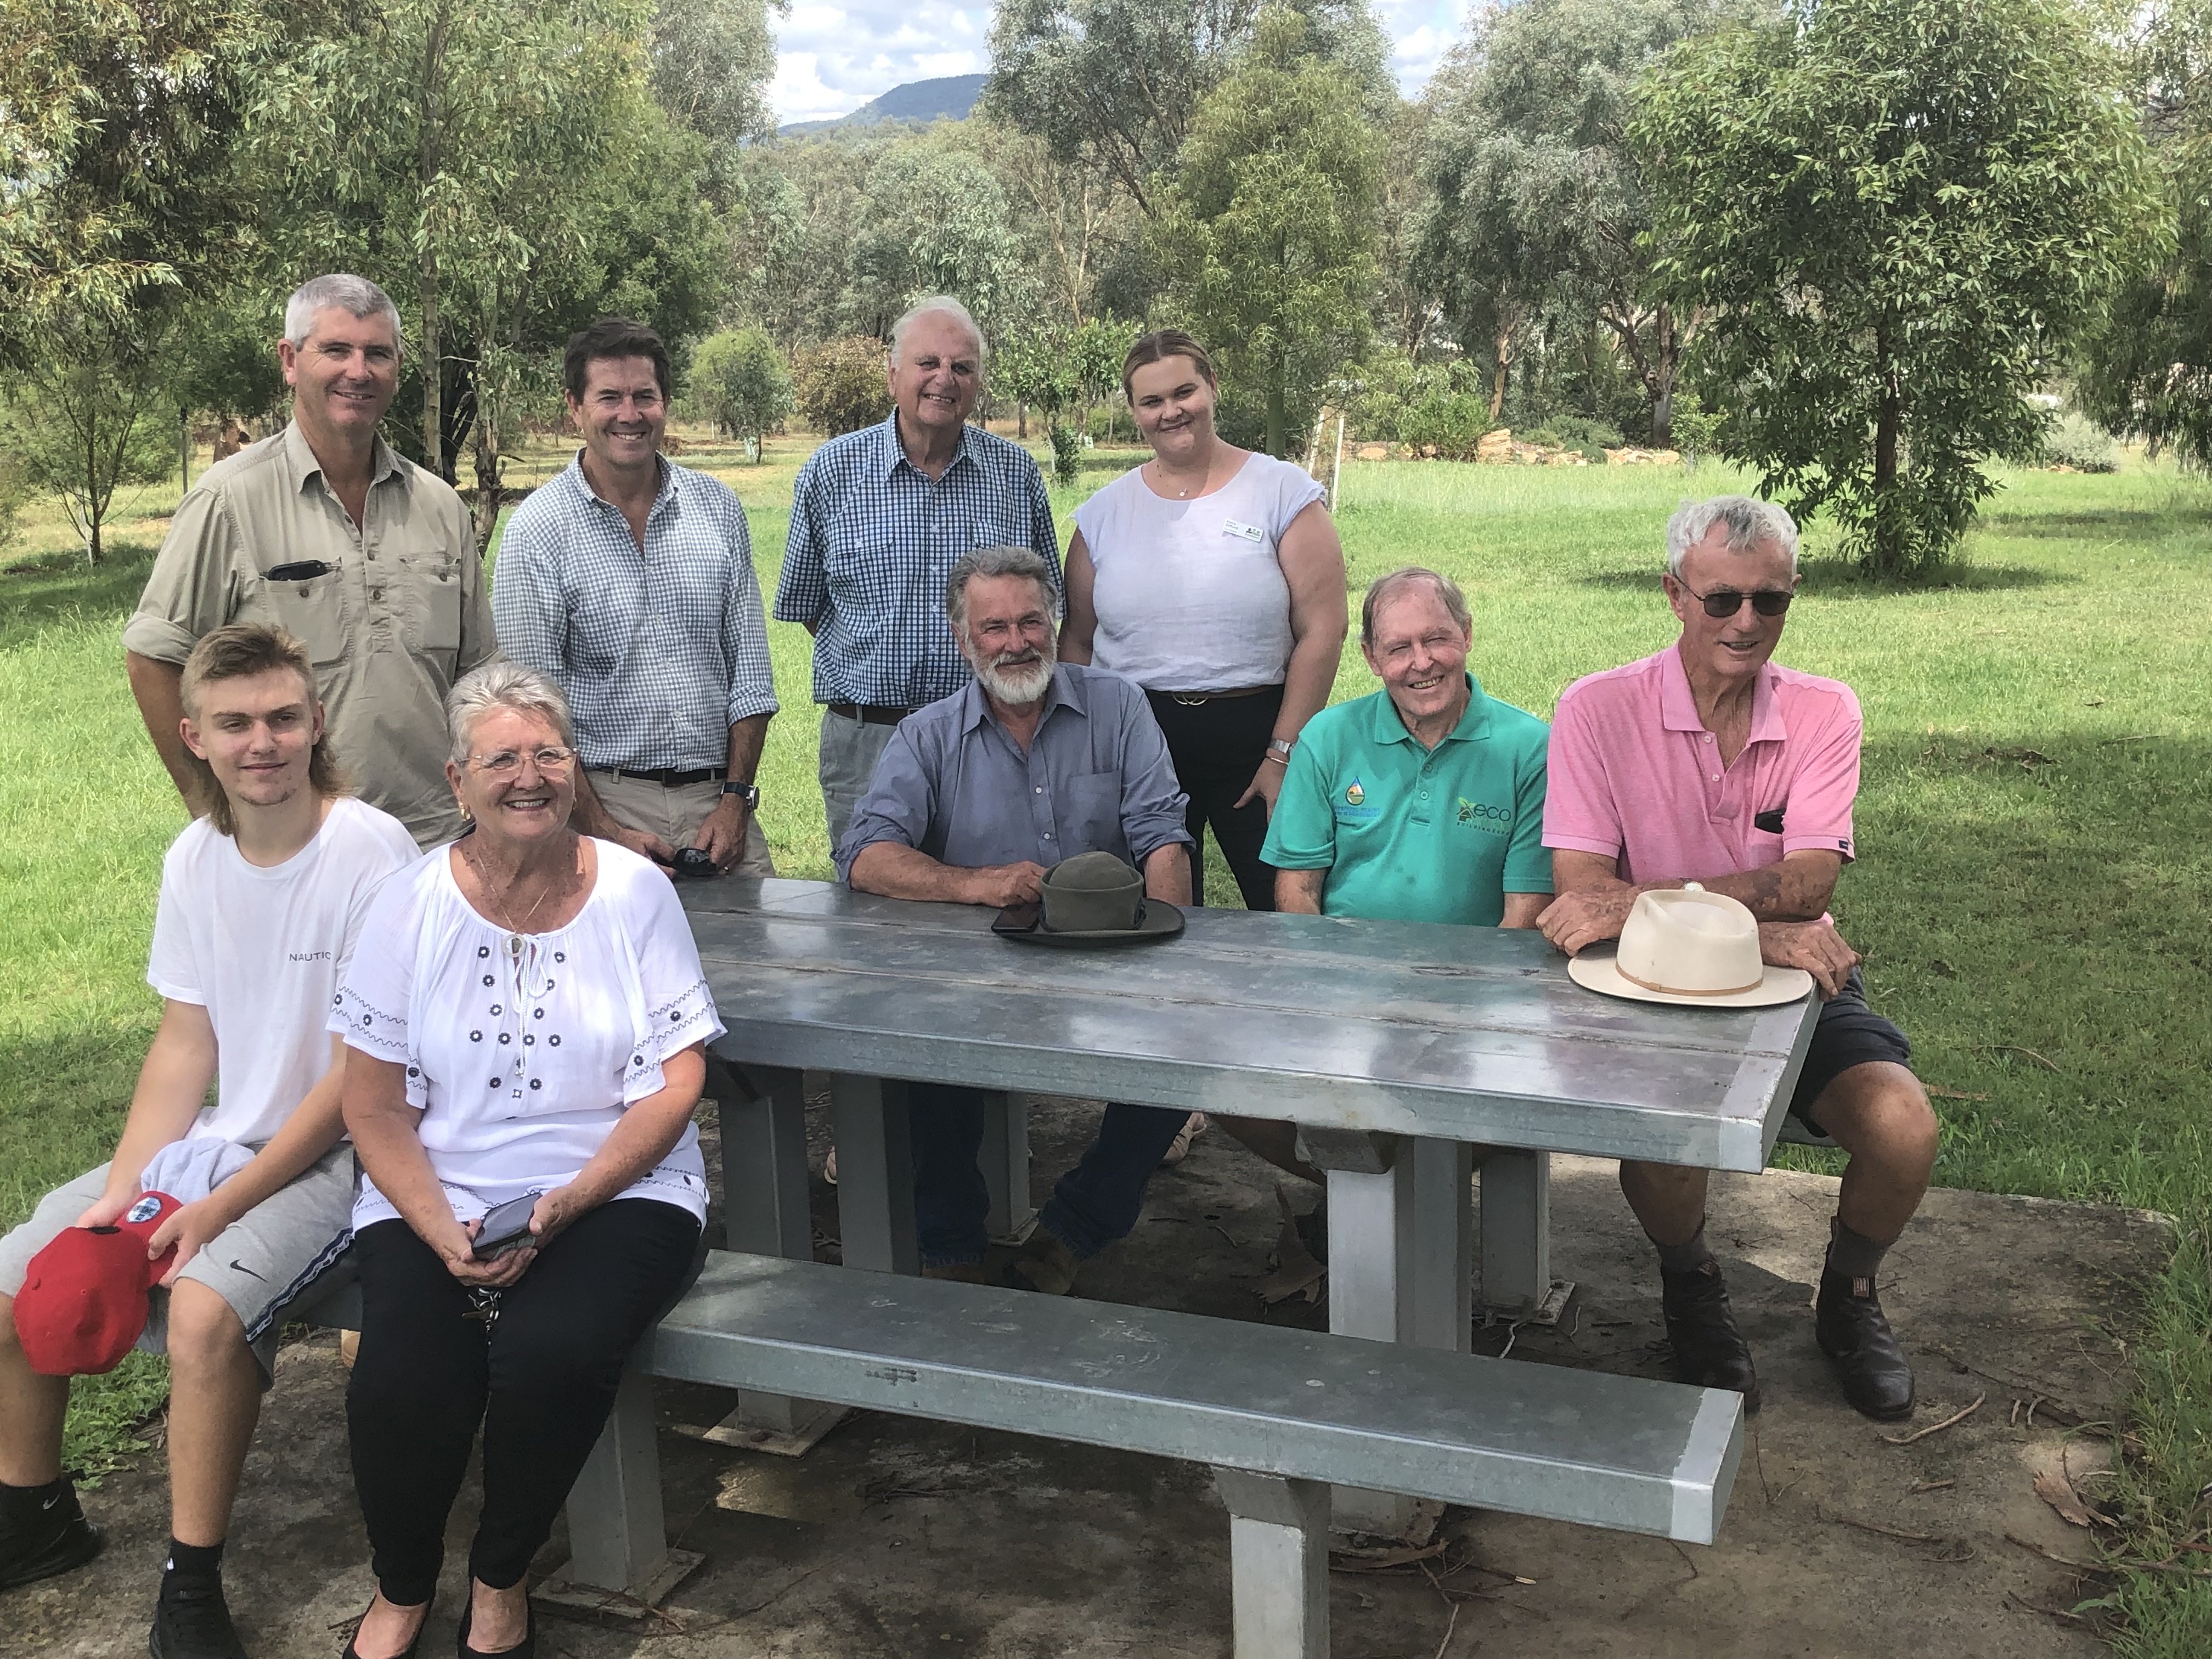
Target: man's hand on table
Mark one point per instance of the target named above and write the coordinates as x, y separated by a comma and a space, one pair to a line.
1001, 885
1592, 917
1815, 947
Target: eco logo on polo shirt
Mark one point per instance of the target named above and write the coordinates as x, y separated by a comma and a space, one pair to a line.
1354, 794
1495, 820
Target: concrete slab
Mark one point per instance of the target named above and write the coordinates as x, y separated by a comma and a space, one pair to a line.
902, 1538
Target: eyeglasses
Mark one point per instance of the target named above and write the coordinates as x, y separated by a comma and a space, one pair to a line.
506, 762
1727, 601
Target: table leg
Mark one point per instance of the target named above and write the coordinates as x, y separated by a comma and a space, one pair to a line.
1006, 1156
1277, 1564
1400, 1233
1517, 1238
619, 1559
875, 1174
766, 1212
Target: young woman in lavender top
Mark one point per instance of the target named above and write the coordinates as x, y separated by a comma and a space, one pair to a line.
1212, 576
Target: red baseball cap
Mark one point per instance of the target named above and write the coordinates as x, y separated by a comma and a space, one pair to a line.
83, 1300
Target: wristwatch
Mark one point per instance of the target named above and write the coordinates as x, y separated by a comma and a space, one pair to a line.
748, 792
1280, 748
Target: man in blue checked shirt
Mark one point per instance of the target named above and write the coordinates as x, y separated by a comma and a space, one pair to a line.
630, 580
879, 518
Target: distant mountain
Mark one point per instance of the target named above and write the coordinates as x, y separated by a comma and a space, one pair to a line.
947, 97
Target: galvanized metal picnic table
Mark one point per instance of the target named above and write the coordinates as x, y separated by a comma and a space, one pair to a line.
1396, 1047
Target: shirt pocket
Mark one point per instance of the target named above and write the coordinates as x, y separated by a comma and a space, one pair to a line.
314, 612
433, 602
1090, 814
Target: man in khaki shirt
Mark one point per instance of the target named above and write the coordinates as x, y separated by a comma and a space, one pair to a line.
321, 529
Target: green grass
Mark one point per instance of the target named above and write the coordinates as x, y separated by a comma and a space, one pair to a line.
2031, 892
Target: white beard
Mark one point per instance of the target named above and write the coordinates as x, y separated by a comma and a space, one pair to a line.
1018, 685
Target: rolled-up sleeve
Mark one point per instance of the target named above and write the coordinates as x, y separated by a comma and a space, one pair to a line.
802, 593
193, 589
899, 806
1580, 814
744, 629
1153, 801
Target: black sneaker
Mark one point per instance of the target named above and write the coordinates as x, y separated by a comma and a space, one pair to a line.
193, 1622
43, 1539
1709, 1351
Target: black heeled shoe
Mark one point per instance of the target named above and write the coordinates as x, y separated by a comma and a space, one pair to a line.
414, 1642
526, 1648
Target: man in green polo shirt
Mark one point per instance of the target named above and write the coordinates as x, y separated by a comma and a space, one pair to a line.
1423, 801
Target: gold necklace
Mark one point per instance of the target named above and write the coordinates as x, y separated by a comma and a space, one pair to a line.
514, 933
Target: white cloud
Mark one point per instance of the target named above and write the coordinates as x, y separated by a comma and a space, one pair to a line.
835, 57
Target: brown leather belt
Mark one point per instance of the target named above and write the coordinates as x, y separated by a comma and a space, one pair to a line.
868, 713
1193, 699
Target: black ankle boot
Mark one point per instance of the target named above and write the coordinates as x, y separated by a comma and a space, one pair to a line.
1709, 1351
1853, 1333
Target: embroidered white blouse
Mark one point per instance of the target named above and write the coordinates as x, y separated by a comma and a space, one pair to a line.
523, 1050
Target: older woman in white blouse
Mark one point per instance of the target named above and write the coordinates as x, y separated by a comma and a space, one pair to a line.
527, 1017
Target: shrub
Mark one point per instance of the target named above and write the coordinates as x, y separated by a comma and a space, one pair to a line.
840, 385
1453, 422
11, 498
2073, 440
1067, 453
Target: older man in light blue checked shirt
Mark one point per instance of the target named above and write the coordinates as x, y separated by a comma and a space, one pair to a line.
879, 518
628, 581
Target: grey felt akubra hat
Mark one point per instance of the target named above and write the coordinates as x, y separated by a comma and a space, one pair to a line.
1095, 898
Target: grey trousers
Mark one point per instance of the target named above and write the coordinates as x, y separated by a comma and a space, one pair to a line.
850, 749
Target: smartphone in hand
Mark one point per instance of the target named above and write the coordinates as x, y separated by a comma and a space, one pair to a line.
505, 1227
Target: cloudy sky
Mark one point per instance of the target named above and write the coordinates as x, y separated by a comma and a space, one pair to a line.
835, 57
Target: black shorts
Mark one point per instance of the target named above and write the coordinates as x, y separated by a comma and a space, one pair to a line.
1849, 1034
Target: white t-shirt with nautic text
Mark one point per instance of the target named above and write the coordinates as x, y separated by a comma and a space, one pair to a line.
263, 952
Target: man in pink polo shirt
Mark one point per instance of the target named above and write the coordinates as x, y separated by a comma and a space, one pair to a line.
1709, 763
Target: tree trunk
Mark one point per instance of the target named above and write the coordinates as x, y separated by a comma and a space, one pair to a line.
1887, 555
426, 172
1022, 421
1504, 346
1277, 413
1666, 366
489, 491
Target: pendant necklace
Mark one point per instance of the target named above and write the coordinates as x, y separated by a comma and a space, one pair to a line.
1180, 494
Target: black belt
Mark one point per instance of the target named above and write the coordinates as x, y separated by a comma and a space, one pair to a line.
668, 777
868, 713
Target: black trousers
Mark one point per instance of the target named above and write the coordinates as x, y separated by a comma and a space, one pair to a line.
1216, 745
540, 1378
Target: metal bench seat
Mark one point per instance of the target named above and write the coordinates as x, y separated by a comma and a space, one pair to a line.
1282, 1415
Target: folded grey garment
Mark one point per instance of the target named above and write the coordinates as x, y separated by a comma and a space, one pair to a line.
189, 1170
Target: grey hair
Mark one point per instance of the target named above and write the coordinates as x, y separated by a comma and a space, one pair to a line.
1002, 561
1749, 523
1381, 588
938, 305
502, 685
356, 296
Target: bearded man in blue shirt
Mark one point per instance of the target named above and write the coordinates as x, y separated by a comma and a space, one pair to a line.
977, 795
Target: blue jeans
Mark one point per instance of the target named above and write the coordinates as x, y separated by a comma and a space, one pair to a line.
1093, 1204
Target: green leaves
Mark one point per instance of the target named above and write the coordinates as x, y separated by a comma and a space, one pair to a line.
1899, 212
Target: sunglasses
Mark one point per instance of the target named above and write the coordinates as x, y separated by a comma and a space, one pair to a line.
1727, 601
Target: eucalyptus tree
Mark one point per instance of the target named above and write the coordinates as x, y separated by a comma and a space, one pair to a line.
2148, 367
1900, 213
1537, 200
500, 166
935, 221
1269, 229
1118, 83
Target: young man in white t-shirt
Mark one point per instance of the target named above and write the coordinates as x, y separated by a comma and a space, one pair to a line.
261, 902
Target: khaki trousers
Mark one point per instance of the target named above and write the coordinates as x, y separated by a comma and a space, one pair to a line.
676, 814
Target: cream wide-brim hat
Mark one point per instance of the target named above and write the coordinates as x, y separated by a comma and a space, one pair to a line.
1693, 948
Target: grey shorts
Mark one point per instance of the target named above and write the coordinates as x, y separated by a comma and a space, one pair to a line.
297, 1240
